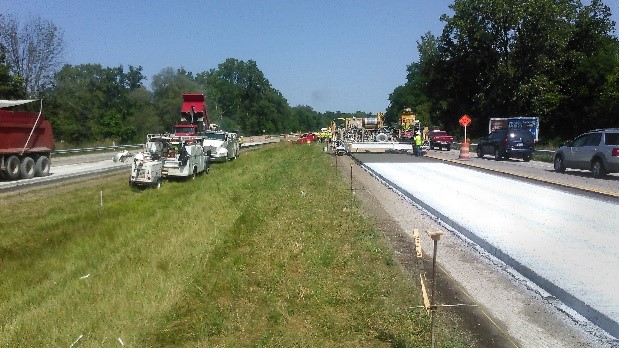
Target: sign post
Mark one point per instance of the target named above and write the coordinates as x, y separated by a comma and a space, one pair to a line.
464, 121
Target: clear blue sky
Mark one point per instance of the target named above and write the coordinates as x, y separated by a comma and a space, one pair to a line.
341, 55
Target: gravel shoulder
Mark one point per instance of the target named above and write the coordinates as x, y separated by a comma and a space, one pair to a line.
494, 306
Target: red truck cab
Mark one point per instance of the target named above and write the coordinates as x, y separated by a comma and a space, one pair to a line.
440, 139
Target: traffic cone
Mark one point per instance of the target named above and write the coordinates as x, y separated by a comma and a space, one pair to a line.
464, 151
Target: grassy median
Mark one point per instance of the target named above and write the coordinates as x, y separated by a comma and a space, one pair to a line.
262, 251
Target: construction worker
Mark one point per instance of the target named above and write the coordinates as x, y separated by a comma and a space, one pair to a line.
418, 143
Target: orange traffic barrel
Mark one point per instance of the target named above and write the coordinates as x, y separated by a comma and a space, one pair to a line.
464, 151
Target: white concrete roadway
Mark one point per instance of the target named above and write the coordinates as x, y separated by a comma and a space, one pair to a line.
563, 242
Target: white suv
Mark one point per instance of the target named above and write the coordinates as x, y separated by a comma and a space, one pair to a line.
597, 150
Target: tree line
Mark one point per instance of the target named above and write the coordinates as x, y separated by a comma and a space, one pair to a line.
89, 102
557, 60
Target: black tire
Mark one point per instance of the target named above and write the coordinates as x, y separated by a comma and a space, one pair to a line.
559, 164
431, 146
479, 153
448, 147
194, 174
597, 168
42, 165
26, 168
526, 158
497, 154
12, 167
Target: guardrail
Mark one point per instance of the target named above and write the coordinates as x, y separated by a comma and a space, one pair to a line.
547, 152
100, 148
130, 146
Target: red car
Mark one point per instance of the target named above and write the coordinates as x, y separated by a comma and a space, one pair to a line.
307, 137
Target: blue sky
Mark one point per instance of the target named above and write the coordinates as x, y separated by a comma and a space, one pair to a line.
331, 55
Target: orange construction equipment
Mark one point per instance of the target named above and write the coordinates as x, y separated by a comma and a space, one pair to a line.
464, 151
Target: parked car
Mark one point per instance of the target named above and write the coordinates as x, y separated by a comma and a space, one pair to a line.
307, 137
596, 150
506, 143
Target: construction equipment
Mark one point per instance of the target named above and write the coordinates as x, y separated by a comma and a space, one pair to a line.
147, 166
370, 134
26, 142
409, 125
185, 157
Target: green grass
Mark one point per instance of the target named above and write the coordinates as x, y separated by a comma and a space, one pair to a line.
262, 251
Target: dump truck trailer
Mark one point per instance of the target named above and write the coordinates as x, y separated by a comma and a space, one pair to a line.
26, 142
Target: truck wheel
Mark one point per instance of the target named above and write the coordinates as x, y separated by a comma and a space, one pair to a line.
158, 184
26, 168
480, 154
448, 147
41, 167
497, 155
12, 167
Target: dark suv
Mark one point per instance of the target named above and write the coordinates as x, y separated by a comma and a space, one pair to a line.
506, 143
597, 151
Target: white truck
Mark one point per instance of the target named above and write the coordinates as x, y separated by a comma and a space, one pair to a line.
147, 166
530, 123
223, 146
185, 157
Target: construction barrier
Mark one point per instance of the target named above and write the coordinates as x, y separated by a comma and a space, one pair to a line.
464, 151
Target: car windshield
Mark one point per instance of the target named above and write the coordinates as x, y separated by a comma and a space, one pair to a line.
215, 136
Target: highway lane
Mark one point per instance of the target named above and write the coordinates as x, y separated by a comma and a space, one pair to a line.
538, 171
92, 164
66, 168
563, 241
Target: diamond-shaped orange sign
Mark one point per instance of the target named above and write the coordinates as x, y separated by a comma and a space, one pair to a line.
465, 120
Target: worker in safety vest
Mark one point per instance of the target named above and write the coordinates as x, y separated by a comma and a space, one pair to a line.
418, 143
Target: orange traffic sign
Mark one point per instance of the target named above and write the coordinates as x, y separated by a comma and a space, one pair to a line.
465, 120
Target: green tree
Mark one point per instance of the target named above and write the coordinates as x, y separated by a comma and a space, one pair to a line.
498, 58
242, 96
11, 87
90, 103
168, 87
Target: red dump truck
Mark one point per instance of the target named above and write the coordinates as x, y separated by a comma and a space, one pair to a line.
194, 116
26, 142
